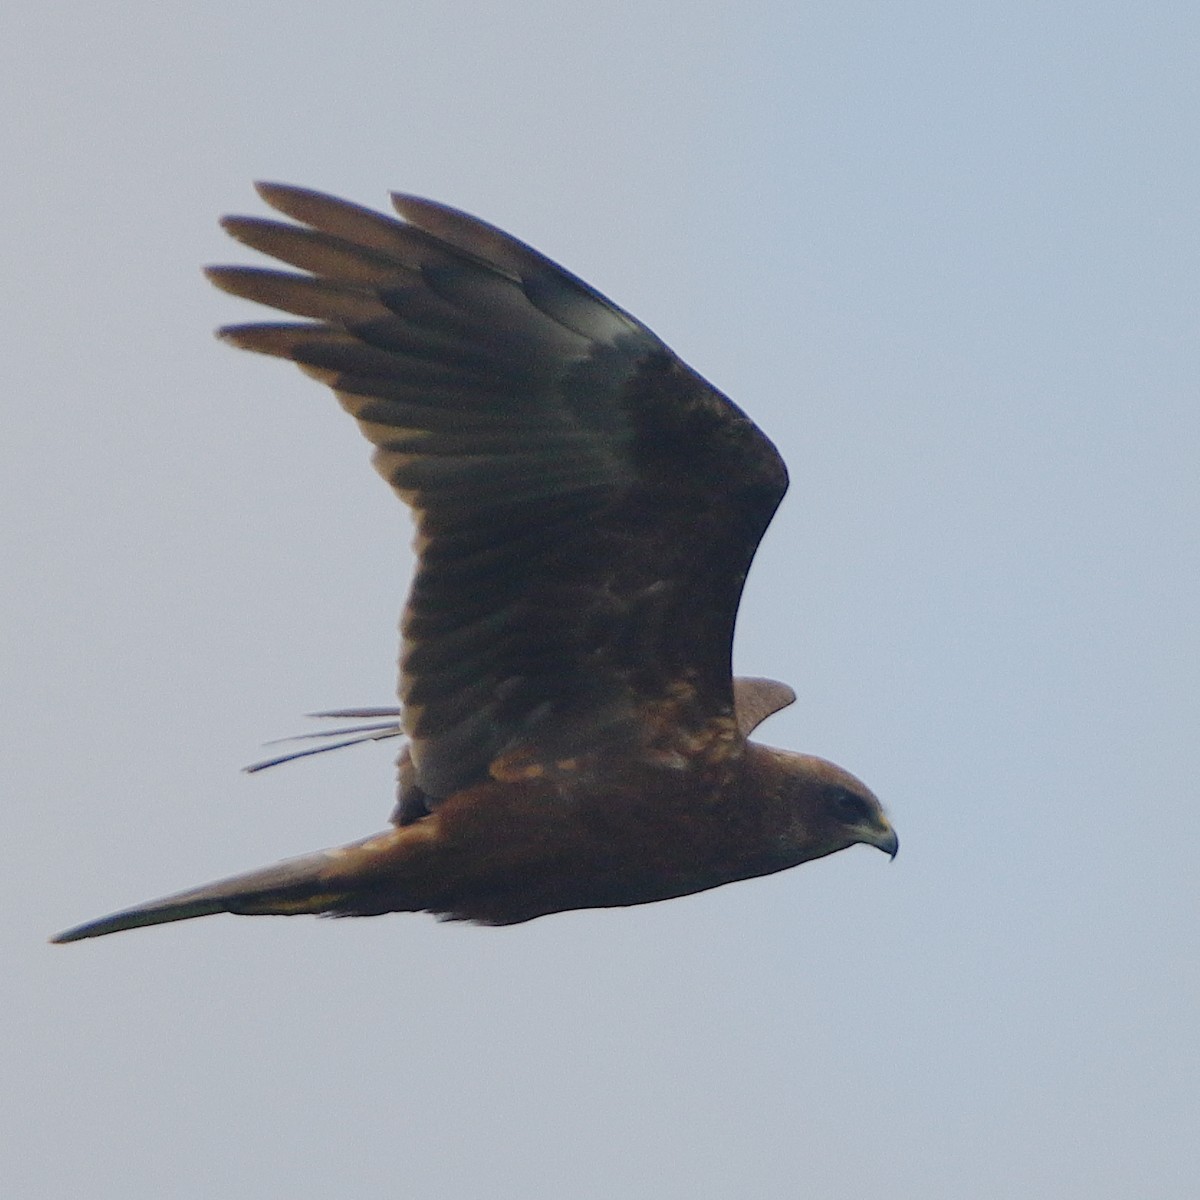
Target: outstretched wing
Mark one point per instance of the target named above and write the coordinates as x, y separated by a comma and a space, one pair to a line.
587, 506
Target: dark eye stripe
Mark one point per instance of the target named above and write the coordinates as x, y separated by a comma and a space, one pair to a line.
848, 807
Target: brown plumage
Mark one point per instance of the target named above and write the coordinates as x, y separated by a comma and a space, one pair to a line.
587, 508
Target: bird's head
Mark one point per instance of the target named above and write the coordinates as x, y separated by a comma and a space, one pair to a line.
828, 808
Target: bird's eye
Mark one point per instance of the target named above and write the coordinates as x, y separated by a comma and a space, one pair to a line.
847, 807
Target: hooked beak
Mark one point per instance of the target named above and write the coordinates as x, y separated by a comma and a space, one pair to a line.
883, 837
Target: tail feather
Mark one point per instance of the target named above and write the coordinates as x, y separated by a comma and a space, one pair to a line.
298, 885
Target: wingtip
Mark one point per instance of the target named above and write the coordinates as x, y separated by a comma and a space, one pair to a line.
76, 934
102, 926
234, 335
222, 277
261, 336
296, 885
403, 202
155, 912
270, 191
231, 335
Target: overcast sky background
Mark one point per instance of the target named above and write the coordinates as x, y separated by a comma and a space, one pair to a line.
946, 256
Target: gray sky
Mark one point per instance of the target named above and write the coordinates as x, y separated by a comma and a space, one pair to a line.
946, 256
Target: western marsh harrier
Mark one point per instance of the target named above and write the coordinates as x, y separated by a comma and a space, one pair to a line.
587, 508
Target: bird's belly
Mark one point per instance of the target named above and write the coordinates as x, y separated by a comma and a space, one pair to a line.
524, 854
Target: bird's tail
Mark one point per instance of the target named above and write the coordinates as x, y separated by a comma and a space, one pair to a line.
299, 885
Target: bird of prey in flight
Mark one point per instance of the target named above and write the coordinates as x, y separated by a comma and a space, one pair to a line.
586, 508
